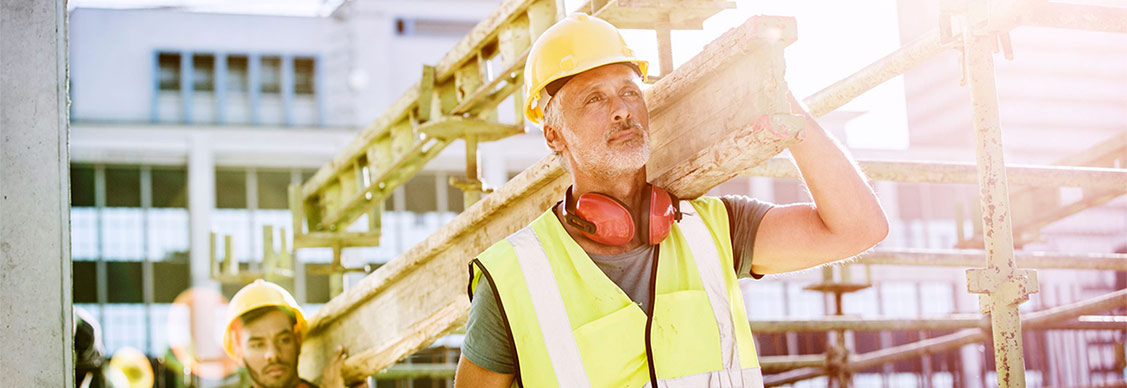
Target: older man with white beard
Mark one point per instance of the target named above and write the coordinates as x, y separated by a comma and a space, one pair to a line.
620, 284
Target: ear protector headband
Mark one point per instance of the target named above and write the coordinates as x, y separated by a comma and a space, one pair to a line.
606, 220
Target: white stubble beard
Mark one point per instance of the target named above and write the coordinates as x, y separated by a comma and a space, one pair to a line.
610, 163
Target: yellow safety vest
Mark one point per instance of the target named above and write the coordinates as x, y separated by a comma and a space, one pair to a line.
572, 327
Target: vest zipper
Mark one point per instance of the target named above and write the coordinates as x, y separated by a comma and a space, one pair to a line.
650, 317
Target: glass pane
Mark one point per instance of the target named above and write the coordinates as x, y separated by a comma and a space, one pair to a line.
168, 234
122, 233
84, 233
420, 193
124, 281
304, 74
172, 278
85, 281
230, 189
203, 73
273, 189
123, 187
271, 75
168, 65
81, 186
455, 199
170, 187
237, 73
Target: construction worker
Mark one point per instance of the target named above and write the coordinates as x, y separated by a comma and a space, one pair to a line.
619, 284
89, 356
264, 330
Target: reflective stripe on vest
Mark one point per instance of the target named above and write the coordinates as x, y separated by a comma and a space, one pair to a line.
555, 327
708, 265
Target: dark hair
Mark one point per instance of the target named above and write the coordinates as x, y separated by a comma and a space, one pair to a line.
254, 315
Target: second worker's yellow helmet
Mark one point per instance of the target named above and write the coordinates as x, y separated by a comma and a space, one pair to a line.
259, 294
571, 46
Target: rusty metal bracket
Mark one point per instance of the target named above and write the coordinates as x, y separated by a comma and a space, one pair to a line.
1003, 290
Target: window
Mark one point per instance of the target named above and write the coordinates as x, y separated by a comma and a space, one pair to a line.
304, 70
230, 189
170, 187
81, 186
273, 189
123, 280
172, 278
420, 192
237, 73
271, 75
203, 73
123, 187
455, 199
84, 282
168, 65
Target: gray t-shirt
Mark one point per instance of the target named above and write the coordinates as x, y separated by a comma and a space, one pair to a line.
488, 343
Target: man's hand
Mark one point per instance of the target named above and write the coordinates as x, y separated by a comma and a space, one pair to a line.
331, 373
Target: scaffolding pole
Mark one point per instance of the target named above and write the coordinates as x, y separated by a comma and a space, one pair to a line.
954, 322
935, 172
973, 258
1002, 285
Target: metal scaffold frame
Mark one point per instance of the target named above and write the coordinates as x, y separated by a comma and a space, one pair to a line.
435, 111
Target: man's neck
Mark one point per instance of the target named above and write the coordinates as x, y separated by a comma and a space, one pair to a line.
629, 189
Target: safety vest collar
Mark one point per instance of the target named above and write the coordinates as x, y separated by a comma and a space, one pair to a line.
557, 238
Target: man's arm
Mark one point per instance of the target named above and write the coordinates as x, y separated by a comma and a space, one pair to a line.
844, 220
469, 375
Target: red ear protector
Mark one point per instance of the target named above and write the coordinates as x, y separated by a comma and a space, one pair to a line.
606, 220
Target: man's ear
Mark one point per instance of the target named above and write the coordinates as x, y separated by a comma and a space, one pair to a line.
237, 344
554, 139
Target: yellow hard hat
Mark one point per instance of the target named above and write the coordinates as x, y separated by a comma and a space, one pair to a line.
571, 46
129, 368
261, 293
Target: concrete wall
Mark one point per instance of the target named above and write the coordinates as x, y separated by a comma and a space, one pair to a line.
35, 278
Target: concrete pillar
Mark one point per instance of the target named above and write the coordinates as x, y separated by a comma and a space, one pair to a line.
35, 268
201, 203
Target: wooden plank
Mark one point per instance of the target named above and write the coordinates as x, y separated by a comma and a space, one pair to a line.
718, 81
420, 295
